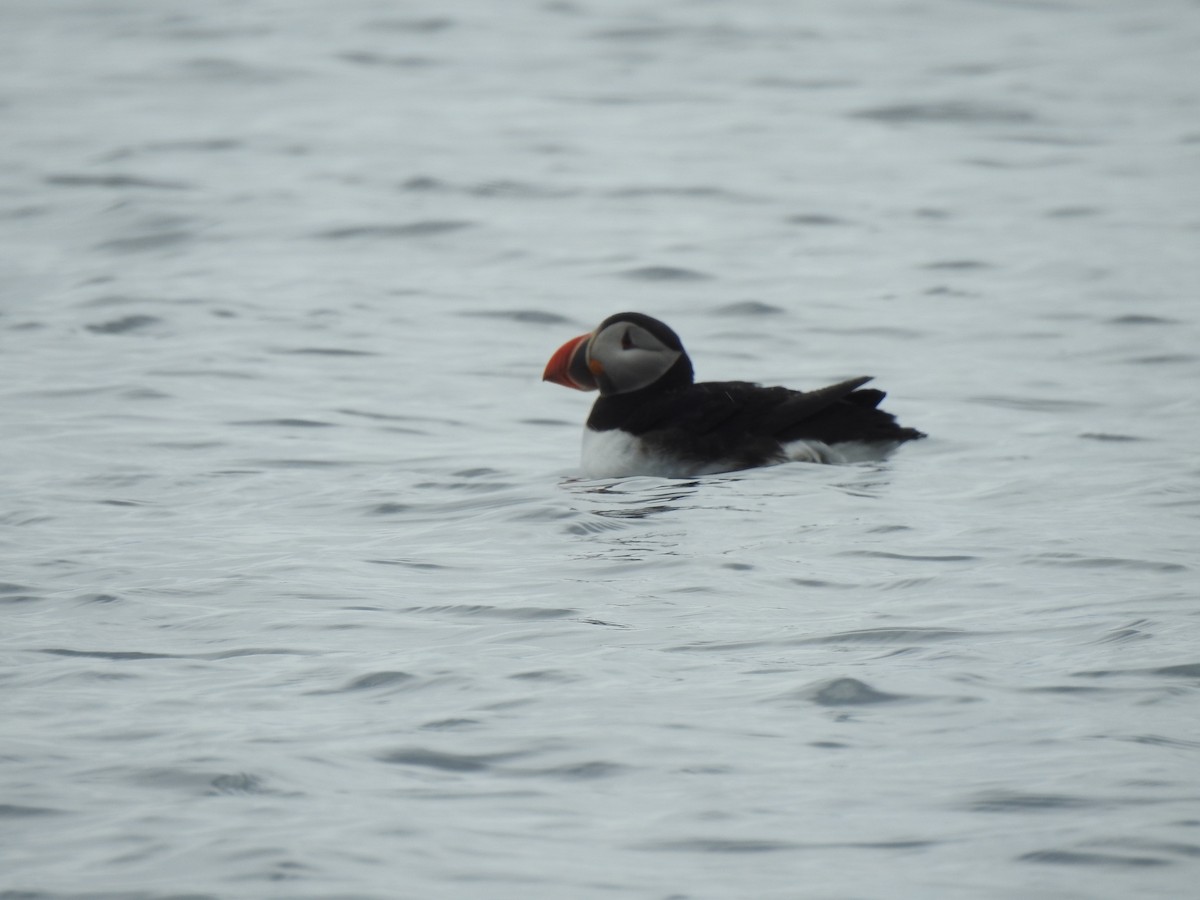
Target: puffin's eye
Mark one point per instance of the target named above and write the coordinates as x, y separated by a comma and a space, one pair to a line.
626, 340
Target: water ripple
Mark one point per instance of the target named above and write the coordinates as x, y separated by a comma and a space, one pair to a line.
1018, 802
845, 692
16, 593
664, 274
517, 613
960, 112
423, 757
124, 325
15, 811
721, 846
425, 228
1080, 858
1106, 562
888, 636
116, 181
375, 680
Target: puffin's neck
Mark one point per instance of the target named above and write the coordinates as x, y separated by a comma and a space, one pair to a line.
616, 410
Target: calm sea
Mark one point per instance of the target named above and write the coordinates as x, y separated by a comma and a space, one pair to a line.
303, 597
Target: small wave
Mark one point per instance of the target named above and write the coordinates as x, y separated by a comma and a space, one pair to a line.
141, 243
815, 219
14, 811
721, 845
887, 636
324, 351
637, 33
367, 58
1162, 359
1109, 437
211, 145
99, 598
686, 192
1174, 848
16, 593
123, 325
955, 112
1067, 689
499, 188
230, 374
958, 265
425, 228
137, 655
389, 509
1034, 404
446, 762
238, 783
408, 564
1018, 802
378, 416
883, 554
664, 273
845, 692
301, 463
286, 423
116, 181
1107, 562
518, 613
525, 316
584, 771
876, 330
373, 681
1073, 212
1136, 319
118, 655
224, 69
1186, 670
521, 190
552, 676
1158, 740
749, 308
1079, 858
589, 527
430, 25
450, 724
1183, 670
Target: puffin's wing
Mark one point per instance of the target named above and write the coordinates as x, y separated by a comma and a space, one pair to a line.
700, 408
728, 414
751, 409
802, 405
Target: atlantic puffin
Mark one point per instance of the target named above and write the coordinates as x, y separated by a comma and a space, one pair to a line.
652, 418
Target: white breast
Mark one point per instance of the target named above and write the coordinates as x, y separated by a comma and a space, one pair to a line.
613, 454
618, 454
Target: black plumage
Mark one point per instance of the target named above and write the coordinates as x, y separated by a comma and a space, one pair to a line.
711, 426
746, 423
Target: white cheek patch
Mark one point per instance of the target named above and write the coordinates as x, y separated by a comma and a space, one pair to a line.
630, 363
641, 368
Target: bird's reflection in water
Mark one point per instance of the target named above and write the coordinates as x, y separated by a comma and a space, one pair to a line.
626, 518
623, 520
632, 498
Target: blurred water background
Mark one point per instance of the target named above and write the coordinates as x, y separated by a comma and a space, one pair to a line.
302, 596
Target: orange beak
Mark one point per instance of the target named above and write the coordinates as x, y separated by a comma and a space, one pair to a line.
569, 367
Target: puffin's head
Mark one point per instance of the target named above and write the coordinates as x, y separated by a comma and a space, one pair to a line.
627, 352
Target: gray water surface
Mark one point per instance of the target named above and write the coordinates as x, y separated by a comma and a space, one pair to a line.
303, 596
